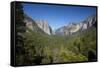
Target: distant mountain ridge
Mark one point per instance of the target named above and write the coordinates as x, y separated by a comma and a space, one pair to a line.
43, 26
37, 25
74, 27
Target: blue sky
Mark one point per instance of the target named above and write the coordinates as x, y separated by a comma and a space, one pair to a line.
58, 16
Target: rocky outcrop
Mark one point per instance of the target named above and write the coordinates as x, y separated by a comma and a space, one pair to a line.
89, 22
37, 25
74, 27
67, 30
31, 24
43, 24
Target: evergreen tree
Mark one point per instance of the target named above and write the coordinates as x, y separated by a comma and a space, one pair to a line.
20, 29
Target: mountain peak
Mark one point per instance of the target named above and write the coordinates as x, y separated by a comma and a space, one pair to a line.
43, 24
37, 24
74, 27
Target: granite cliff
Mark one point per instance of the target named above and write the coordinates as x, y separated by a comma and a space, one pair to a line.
75, 27
37, 25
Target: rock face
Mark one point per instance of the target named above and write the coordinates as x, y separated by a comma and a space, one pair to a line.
37, 25
67, 30
74, 27
89, 22
43, 24
30, 24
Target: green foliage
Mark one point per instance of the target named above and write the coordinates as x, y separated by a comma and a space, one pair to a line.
40, 48
43, 49
36, 47
20, 29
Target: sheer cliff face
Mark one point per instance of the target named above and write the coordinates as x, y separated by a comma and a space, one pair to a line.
89, 22
74, 27
67, 30
37, 25
43, 24
30, 24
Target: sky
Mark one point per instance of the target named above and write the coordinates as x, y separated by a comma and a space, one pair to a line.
57, 15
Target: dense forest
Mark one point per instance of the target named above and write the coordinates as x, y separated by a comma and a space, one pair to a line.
37, 47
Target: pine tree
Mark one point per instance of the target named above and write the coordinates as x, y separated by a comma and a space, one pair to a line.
20, 29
